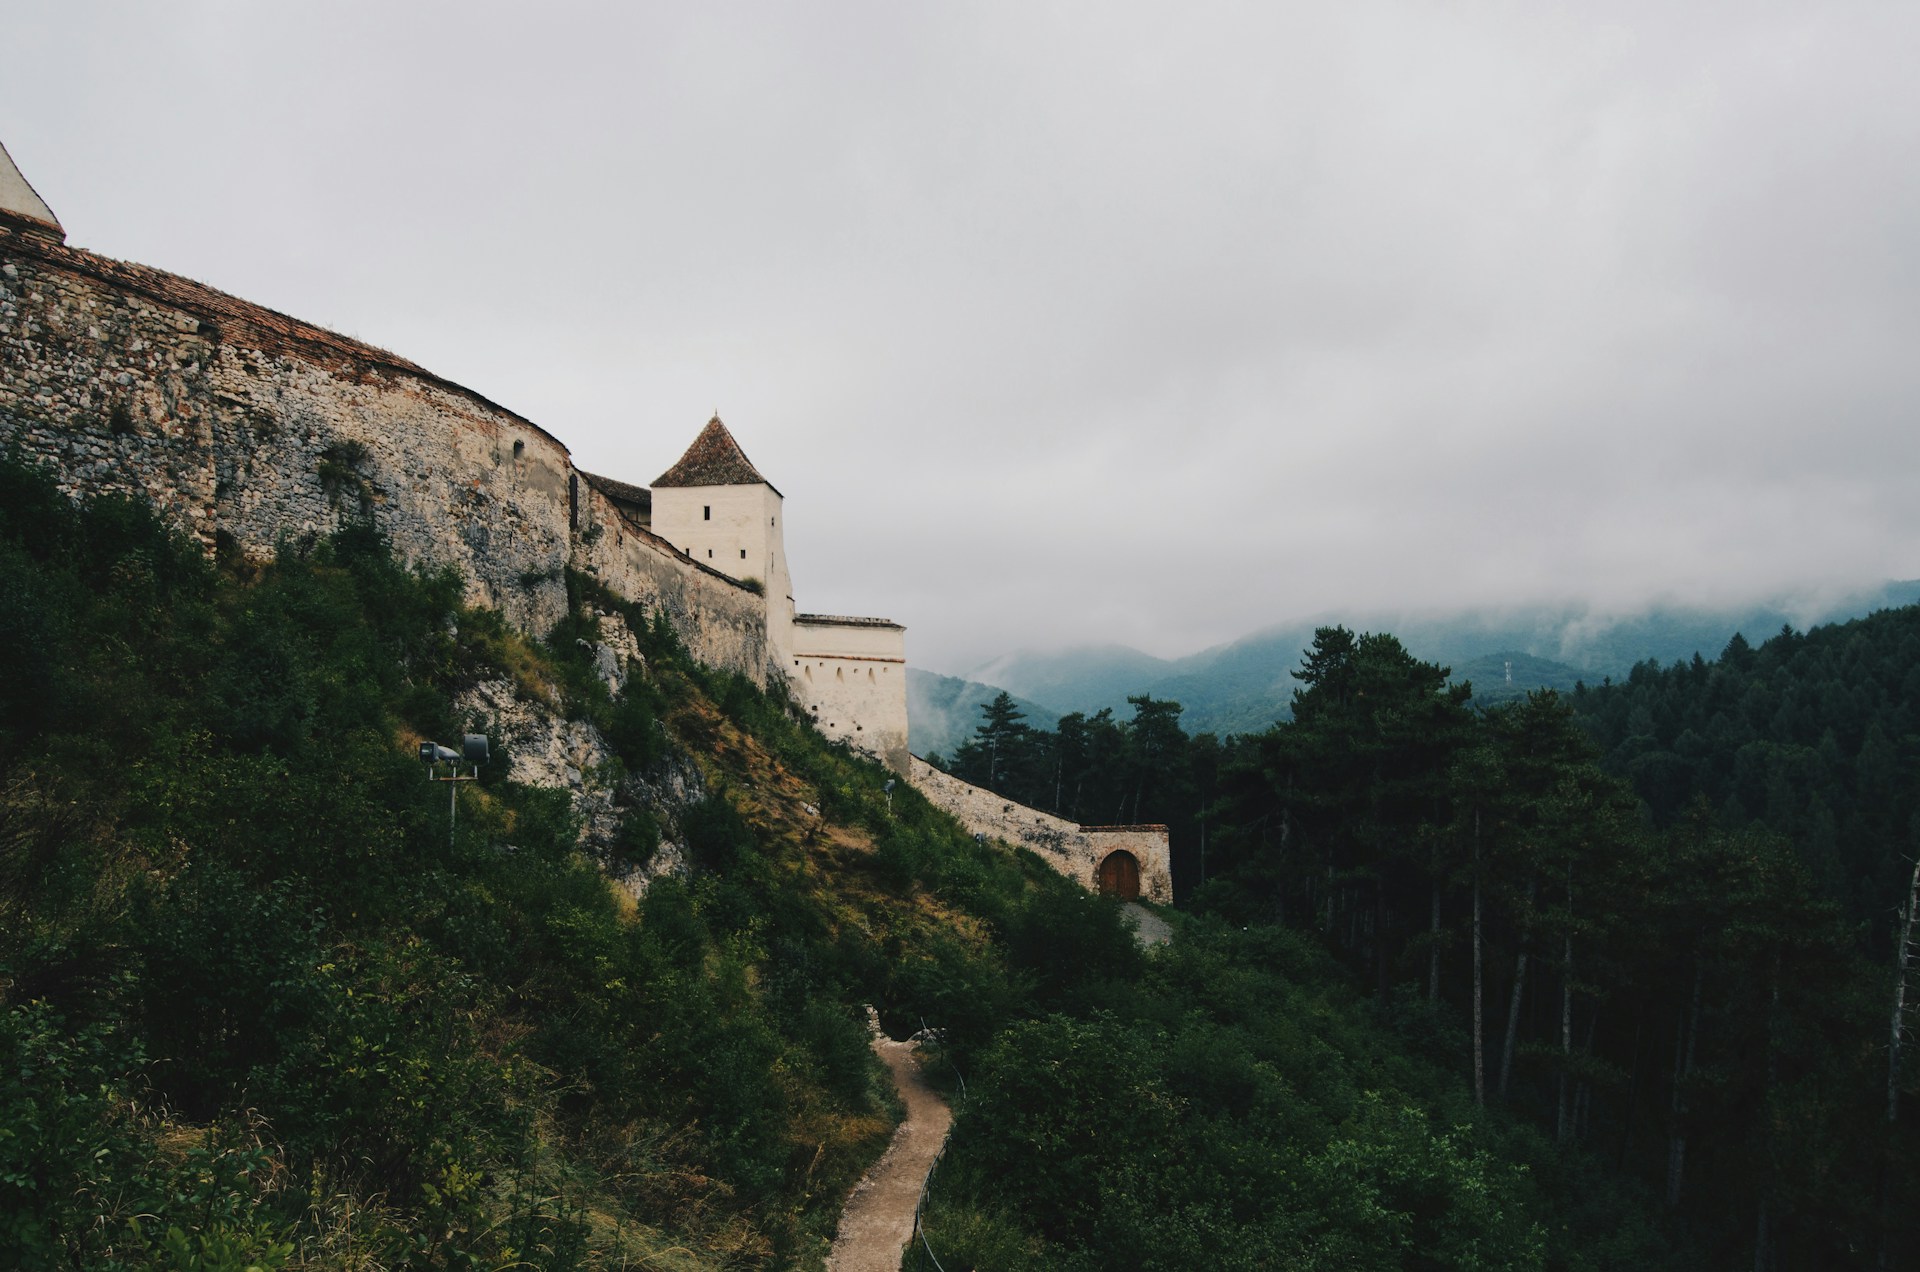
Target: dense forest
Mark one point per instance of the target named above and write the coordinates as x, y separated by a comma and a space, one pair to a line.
1658, 922
1452, 988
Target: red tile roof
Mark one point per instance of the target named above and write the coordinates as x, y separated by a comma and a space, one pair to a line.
714, 459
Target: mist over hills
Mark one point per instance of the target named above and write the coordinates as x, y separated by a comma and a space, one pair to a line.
1247, 684
944, 710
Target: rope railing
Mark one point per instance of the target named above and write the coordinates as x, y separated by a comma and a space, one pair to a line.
926, 1186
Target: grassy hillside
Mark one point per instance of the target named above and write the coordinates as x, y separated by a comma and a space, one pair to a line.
258, 1008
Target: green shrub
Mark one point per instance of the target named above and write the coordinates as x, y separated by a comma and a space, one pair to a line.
639, 837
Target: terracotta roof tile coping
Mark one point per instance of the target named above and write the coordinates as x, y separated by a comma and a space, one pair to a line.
272, 331
841, 620
616, 490
714, 459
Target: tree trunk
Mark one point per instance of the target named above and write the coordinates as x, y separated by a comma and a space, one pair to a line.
1633, 1087
1896, 1038
1513, 1020
1761, 1259
1513, 1002
1583, 1089
1433, 942
1683, 1051
1902, 955
1561, 1128
1566, 1033
1479, 1030
1382, 965
1676, 1142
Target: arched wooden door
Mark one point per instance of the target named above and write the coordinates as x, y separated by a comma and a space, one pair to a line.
1120, 875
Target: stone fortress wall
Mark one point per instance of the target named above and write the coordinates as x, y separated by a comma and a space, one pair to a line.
249, 427
253, 429
1075, 851
721, 623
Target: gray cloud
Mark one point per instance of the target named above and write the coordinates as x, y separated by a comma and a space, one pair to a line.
1063, 323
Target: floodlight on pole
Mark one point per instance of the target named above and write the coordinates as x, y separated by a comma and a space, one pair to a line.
473, 751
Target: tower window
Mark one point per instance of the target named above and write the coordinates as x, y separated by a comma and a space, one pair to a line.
706, 512
709, 554
743, 554
519, 448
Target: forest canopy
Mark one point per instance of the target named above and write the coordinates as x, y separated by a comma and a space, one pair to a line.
1659, 921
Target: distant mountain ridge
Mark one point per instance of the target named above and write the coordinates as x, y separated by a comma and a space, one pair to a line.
942, 711
1247, 684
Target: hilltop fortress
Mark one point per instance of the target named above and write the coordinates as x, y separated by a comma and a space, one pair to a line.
253, 429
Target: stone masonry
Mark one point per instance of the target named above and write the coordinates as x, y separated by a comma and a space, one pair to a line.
1075, 851
253, 429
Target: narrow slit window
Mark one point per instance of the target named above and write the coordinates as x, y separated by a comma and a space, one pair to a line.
743, 554
706, 512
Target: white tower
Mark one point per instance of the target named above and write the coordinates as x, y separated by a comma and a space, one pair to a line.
717, 509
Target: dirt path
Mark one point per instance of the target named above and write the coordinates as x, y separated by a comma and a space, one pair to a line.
878, 1220
1148, 927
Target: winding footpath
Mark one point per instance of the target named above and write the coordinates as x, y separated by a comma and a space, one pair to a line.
878, 1220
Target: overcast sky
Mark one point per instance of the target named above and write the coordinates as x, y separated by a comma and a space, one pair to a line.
1103, 322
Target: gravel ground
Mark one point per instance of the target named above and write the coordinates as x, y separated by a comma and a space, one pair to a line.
878, 1220
1148, 927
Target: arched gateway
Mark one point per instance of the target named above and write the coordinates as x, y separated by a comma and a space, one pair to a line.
1120, 875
